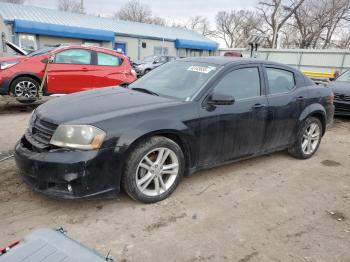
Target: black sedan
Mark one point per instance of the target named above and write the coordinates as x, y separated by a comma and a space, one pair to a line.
341, 89
185, 116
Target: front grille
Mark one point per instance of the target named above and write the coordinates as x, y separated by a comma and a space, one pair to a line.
39, 133
341, 97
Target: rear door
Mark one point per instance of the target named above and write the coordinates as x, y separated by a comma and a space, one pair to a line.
71, 71
234, 131
286, 102
109, 70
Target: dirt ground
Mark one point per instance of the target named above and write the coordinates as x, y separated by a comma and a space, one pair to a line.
272, 208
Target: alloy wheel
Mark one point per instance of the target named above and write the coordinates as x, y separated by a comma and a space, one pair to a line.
311, 138
157, 171
26, 89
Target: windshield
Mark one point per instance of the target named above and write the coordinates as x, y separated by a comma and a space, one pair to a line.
178, 79
42, 51
344, 77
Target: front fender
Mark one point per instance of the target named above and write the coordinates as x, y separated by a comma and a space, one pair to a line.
156, 127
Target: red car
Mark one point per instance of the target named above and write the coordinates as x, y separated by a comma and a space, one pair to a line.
72, 68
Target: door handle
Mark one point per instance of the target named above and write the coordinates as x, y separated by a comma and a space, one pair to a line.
258, 106
85, 69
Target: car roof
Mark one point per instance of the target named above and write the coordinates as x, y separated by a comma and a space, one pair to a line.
224, 61
94, 48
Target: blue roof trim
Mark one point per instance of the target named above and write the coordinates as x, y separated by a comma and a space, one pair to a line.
190, 44
23, 26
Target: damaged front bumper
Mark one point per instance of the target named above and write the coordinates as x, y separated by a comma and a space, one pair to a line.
69, 174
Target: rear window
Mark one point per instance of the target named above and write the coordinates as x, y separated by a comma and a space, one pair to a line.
104, 59
280, 81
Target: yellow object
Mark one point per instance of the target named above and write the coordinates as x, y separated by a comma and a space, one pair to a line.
320, 74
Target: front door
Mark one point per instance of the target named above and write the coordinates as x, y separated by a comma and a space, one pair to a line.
72, 71
235, 131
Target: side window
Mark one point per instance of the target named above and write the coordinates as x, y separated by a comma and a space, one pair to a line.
104, 59
241, 83
280, 81
163, 59
74, 56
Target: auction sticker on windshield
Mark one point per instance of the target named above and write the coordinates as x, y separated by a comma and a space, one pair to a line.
202, 69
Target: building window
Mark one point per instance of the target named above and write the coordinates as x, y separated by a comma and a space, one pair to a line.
159, 50
181, 52
27, 42
92, 43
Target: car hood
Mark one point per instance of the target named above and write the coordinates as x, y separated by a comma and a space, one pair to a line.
341, 87
12, 58
93, 106
16, 48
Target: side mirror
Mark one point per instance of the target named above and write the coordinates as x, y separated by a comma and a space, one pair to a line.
52, 59
124, 84
220, 99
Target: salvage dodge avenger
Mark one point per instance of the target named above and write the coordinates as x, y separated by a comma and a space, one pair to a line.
186, 115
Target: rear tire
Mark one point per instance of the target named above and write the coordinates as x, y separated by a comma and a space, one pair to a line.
25, 89
153, 170
308, 139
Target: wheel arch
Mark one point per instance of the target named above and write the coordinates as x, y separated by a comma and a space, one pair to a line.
317, 111
24, 74
172, 134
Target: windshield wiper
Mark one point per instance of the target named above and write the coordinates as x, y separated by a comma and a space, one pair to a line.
144, 90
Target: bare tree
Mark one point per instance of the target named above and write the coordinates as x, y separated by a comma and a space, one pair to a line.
344, 38
318, 20
74, 6
156, 20
235, 27
338, 12
13, 1
276, 13
200, 24
136, 11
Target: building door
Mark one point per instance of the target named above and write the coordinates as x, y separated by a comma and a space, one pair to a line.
120, 47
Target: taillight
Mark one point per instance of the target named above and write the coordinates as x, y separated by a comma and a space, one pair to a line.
133, 72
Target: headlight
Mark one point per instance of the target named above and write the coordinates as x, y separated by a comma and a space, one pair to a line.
78, 136
32, 117
7, 64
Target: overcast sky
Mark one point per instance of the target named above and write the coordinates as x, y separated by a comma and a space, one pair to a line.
172, 10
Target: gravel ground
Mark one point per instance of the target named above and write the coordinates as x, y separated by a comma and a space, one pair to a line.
271, 208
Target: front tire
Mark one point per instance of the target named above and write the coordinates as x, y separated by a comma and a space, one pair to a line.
153, 170
25, 89
308, 140
146, 71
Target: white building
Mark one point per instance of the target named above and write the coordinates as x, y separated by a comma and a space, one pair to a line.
33, 27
